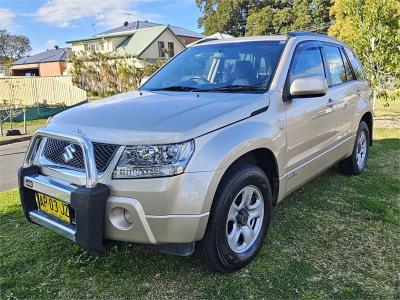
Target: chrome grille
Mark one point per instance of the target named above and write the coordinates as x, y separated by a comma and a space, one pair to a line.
54, 151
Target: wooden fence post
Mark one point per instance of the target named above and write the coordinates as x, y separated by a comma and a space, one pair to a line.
35, 91
54, 91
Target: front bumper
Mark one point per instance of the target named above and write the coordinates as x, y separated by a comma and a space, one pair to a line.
88, 204
100, 207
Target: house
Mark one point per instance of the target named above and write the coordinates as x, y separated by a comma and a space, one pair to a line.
47, 63
140, 39
150, 43
185, 35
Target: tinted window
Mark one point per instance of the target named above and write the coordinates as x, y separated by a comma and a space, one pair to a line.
335, 64
355, 64
213, 66
349, 73
307, 62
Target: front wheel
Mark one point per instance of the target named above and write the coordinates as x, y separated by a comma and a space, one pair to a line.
239, 219
356, 163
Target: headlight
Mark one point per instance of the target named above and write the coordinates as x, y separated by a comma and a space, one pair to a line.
154, 160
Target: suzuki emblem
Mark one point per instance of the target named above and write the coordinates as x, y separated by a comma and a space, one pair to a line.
68, 153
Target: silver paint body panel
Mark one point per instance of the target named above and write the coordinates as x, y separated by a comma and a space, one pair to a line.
305, 135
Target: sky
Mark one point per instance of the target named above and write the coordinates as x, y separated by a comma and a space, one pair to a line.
52, 22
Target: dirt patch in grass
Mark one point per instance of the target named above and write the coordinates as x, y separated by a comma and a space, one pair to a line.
337, 237
387, 122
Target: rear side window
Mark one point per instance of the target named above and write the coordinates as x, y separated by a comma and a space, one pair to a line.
349, 74
335, 64
358, 71
307, 62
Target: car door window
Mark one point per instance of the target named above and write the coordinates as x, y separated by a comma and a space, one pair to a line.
349, 73
307, 62
335, 64
358, 71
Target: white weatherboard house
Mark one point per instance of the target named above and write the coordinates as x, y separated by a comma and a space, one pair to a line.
145, 40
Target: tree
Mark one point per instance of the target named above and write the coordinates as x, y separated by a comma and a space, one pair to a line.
274, 16
107, 74
372, 29
12, 47
227, 16
255, 17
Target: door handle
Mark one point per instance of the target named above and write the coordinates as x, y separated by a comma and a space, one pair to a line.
331, 102
281, 123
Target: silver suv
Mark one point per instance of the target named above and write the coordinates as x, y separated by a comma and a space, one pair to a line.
197, 157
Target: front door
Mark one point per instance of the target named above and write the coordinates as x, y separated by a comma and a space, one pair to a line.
311, 127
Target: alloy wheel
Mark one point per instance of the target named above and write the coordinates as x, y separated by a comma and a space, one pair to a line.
245, 219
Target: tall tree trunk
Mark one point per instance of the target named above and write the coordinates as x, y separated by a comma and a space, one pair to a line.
373, 100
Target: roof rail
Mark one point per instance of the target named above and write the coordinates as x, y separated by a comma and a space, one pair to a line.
304, 33
206, 39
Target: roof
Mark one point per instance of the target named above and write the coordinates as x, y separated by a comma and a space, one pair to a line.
179, 31
99, 37
60, 54
315, 35
297, 35
140, 40
133, 27
244, 39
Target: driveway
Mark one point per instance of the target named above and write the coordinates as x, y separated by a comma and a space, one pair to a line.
11, 157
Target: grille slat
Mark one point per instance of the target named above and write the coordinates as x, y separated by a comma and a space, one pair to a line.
54, 151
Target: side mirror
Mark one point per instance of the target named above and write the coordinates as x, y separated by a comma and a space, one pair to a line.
308, 87
144, 79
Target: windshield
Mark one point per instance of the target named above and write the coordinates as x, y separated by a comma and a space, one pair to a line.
238, 66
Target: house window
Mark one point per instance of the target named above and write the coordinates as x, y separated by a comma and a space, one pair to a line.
171, 51
90, 47
100, 46
161, 46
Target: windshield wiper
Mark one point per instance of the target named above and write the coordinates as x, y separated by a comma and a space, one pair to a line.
233, 88
226, 88
175, 88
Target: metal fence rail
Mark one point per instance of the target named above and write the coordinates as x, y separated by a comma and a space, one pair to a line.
30, 90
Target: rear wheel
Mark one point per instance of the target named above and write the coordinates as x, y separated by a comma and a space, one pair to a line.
239, 219
356, 163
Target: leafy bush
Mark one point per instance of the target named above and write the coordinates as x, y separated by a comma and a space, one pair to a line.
105, 74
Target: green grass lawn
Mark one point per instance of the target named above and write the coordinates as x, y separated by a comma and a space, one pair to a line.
32, 126
393, 110
7, 125
337, 237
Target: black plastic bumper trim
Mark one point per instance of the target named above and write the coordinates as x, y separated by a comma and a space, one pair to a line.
88, 204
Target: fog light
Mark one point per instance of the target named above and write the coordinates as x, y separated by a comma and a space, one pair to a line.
121, 218
128, 216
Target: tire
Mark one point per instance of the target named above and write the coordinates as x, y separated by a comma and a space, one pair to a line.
352, 164
246, 234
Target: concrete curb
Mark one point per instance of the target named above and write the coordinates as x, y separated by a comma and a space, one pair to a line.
16, 140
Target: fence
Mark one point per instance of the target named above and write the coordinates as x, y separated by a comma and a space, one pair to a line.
27, 91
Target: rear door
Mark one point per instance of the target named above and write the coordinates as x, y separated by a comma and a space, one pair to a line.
343, 92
